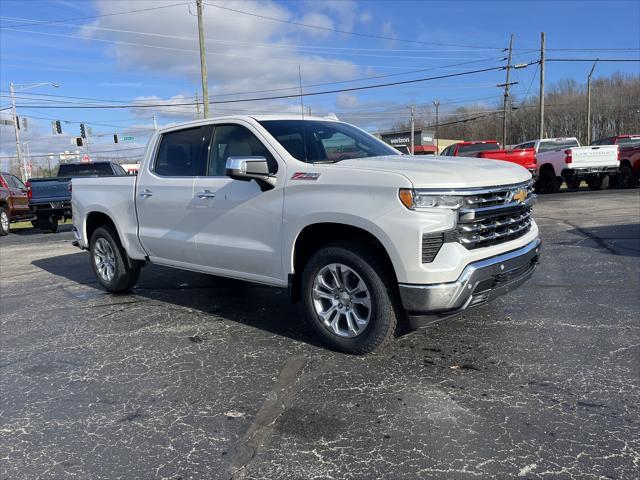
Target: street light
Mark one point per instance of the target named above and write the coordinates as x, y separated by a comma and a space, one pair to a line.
12, 91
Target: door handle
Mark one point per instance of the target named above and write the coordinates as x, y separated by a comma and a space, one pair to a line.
205, 194
145, 193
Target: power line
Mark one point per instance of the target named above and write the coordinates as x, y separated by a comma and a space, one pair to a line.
53, 22
592, 60
278, 97
367, 35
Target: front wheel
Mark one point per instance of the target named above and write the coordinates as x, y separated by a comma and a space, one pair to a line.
595, 183
626, 177
347, 298
4, 222
110, 262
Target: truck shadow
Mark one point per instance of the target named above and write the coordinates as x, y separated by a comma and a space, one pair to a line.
619, 239
258, 306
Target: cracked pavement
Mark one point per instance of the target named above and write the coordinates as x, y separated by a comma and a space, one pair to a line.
193, 377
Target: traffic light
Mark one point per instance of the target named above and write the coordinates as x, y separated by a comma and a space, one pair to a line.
79, 141
58, 127
115, 138
83, 132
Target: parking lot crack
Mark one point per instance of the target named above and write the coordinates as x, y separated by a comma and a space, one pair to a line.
290, 381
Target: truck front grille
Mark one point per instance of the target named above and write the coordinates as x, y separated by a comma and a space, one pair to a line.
495, 229
493, 216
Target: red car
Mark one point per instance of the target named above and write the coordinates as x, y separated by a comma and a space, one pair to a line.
14, 203
490, 149
629, 157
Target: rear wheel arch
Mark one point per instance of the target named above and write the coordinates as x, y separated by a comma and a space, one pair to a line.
315, 236
95, 220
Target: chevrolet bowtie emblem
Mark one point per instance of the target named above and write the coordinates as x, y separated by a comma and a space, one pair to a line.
520, 196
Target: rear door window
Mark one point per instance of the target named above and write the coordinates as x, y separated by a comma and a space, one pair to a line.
183, 153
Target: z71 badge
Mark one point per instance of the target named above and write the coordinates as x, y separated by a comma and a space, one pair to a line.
305, 176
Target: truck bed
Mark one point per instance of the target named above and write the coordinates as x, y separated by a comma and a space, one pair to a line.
525, 157
47, 190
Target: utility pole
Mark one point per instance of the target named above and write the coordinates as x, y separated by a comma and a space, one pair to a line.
541, 120
437, 105
413, 128
197, 106
505, 102
203, 61
16, 128
589, 103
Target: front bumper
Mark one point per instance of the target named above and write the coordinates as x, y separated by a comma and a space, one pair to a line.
479, 283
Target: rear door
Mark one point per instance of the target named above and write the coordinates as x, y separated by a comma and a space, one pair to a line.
165, 203
20, 198
240, 227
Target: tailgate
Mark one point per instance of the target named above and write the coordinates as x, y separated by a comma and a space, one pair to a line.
50, 190
595, 156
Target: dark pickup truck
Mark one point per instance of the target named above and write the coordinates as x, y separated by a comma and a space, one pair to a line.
50, 198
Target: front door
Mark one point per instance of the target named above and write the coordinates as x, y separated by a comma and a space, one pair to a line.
241, 228
165, 202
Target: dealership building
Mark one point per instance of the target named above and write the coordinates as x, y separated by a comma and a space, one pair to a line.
425, 142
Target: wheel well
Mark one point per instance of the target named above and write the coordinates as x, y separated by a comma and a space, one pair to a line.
625, 162
95, 220
4, 204
547, 166
316, 236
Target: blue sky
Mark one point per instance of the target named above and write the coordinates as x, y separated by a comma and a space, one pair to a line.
151, 56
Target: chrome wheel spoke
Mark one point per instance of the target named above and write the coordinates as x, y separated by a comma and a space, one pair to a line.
105, 260
341, 300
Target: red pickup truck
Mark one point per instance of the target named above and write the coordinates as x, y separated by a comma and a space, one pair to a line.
490, 149
629, 157
14, 204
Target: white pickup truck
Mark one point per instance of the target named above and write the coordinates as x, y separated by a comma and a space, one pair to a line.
561, 159
364, 236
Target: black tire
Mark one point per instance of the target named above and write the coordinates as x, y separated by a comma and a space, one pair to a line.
383, 310
5, 222
626, 178
548, 182
34, 223
124, 276
573, 183
595, 183
48, 223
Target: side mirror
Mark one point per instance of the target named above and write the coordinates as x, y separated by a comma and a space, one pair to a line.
251, 168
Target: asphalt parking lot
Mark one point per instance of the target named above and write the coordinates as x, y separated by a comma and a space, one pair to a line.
196, 377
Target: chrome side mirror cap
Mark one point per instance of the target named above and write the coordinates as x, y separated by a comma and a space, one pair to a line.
251, 168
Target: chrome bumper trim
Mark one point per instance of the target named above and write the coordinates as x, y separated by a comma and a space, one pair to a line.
479, 283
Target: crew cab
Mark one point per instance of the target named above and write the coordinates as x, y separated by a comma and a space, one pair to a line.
365, 241
50, 198
561, 159
628, 157
14, 204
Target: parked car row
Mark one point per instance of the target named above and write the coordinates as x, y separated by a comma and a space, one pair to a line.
46, 201
553, 161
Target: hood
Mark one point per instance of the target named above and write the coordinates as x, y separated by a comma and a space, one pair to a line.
444, 172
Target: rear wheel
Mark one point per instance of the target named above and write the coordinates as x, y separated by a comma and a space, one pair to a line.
548, 182
110, 262
348, 302
595, 183
47, 223
4, 222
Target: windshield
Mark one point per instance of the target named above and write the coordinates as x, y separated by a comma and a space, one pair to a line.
85, 170
478, 147
548, 145
317, 141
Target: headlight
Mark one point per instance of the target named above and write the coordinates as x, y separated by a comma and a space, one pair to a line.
416, 200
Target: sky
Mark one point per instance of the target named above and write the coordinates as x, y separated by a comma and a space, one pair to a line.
145, 52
